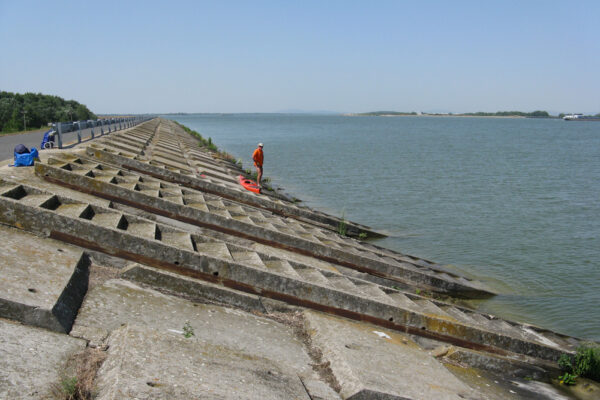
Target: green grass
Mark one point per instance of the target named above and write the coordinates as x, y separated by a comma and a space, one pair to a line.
210, 146
342, 226
585, 363
32, 130
68, 386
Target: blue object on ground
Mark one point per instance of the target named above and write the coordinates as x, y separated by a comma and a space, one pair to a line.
25, 159
48, 139
21, 149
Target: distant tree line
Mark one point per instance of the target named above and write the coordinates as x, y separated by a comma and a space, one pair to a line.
35, 110
378, 113
536, 114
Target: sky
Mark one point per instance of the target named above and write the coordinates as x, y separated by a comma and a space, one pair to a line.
224, 56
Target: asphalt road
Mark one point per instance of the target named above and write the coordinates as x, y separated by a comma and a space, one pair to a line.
8, 142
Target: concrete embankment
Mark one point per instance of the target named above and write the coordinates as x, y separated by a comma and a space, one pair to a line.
141, 252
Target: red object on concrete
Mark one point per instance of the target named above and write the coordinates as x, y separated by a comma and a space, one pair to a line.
249, 184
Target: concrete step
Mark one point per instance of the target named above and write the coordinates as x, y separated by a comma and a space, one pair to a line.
199, 206
281, 236
108, 219
373, 291
427, 307
150, 192
39, 285
315, 290
234, 193
402, 301
142, 229
248, 257
193, 198
36, 200
340, 282
242, 218
182, 240
214, 249
128, 185
72, 210
174, 199
459, 315
282, 267
312, 275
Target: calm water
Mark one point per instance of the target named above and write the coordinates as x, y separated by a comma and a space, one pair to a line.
513, 202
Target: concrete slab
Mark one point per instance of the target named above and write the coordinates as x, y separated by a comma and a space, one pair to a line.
119, 302
371, 363
32, 360
42, 281
145, 363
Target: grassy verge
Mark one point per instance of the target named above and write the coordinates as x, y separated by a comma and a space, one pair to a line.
40, 130
207, 144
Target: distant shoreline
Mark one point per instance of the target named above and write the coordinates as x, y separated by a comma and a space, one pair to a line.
442, 115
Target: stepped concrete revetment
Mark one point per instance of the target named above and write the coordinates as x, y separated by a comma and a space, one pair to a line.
145, 250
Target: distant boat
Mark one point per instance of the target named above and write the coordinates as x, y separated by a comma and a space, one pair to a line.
580, 117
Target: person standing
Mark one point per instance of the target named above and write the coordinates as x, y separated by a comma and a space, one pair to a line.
258, 158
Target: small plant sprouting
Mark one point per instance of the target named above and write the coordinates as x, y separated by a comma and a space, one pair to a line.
568, 379
188, 330
418, 291
363, 235
68, 385
342, 226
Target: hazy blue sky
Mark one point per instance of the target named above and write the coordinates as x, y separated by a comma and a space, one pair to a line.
263, 56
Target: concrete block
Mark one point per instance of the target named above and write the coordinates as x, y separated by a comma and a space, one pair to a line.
42, 281
118, 302
32, 360
152, 364
371, 363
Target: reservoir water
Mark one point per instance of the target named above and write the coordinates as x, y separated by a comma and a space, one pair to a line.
512, 202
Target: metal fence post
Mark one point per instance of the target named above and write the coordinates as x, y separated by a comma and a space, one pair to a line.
92, 131
78, 131
59, 130
101, 127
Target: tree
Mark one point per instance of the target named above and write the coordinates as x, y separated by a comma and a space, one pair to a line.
40, 109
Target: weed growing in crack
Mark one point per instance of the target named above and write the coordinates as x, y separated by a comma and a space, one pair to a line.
188, 330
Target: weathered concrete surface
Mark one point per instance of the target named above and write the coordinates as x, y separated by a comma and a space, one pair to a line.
119, 302
126, 190
330, 292
369, 362
42, 282
250, 276
192, 288
155, 317
32, 360
147, 363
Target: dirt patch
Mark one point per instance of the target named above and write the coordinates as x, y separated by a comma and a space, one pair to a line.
77, 382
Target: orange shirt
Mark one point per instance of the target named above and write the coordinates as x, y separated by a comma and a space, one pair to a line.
257, 156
